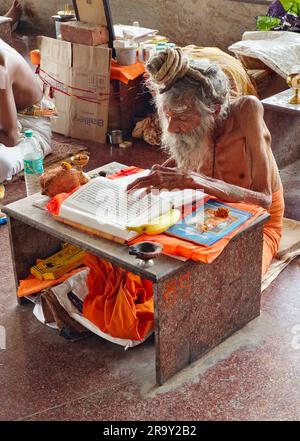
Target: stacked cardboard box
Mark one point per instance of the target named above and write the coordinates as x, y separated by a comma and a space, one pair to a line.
79, 75
80, 78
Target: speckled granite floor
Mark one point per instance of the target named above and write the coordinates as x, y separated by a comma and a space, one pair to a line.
253, 375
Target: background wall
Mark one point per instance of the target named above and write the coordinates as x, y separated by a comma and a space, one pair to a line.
203, 22
37, 13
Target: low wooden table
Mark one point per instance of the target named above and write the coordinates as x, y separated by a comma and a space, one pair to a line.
196, 305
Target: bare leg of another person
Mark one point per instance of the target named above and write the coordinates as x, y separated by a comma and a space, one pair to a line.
15, 13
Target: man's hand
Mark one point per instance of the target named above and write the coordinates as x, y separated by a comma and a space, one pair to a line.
163, 178
170, 163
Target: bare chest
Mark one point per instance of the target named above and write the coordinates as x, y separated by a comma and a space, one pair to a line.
230, 162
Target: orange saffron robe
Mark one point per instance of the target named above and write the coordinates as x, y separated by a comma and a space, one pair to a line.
273, 230
120, 303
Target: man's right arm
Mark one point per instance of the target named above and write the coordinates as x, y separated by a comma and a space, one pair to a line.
9, 132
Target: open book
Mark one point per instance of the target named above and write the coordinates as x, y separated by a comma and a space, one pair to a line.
104, 207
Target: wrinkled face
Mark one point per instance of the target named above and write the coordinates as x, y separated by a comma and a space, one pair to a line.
183, 120
181, 115
185, 129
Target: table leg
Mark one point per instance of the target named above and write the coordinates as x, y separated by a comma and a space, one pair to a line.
199, 307
28, 244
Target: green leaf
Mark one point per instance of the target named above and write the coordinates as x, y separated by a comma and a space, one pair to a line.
266, 23
291, 6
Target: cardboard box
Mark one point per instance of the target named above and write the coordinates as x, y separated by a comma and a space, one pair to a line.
84, 33
84, 72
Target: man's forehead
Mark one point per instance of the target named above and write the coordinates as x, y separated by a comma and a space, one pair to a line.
179, 104
176, 109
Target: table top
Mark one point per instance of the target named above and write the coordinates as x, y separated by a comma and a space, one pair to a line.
24, 211
280, 103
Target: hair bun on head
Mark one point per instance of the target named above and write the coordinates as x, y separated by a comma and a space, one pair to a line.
167, 67
156, 62
170, 65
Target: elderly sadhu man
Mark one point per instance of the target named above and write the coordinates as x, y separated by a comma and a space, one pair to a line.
218, 146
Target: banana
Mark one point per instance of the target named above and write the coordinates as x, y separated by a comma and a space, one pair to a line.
159, 225
2, 191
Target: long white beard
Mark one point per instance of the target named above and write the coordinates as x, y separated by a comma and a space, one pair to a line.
192, 152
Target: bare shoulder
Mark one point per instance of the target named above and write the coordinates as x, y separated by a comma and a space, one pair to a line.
248, 111
248, 104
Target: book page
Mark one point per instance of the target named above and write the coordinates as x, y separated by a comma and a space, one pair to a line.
178, 198
108, 202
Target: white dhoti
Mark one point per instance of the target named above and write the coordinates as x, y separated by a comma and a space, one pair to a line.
11, 158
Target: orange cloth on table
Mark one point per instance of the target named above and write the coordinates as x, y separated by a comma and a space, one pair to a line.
179, 247
273, 229
125, 172
31, 285
126, 73
120, 303
53, 206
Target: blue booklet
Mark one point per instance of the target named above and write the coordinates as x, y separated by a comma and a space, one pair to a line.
209, 223
3, 218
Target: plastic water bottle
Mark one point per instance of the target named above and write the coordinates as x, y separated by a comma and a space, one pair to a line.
33, 162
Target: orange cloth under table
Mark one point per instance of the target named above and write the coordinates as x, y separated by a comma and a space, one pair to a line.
120, 303
31, 285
